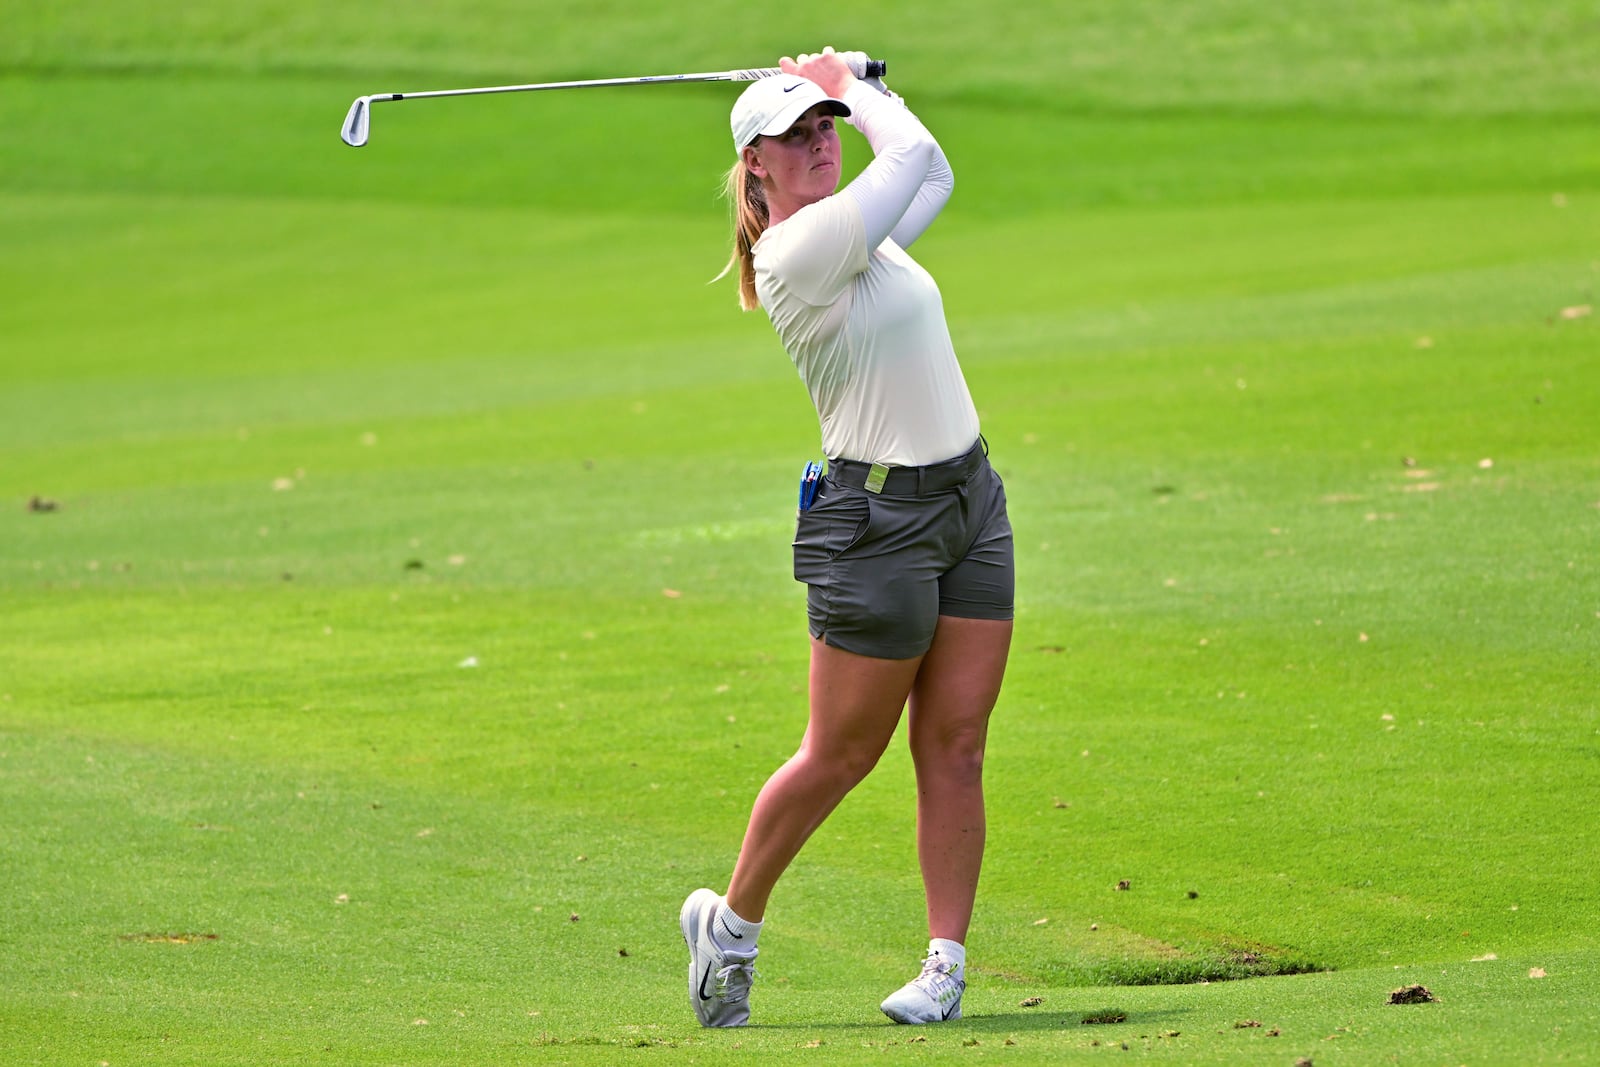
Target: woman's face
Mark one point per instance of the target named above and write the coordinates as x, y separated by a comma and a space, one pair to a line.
801, 165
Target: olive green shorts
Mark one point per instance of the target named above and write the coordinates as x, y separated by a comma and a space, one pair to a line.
881, 567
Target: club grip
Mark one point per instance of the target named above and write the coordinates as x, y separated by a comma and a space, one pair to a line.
876, 68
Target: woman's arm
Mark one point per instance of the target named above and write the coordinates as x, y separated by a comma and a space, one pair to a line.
909, 180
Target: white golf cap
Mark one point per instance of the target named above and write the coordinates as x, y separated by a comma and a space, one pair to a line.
770, 106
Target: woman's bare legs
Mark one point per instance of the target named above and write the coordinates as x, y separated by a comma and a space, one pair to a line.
955, 689
855, 706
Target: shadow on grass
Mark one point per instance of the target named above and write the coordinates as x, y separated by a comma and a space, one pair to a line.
1228, 965
998, 1024
1148, 962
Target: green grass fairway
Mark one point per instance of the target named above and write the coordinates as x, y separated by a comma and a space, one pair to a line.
395, 610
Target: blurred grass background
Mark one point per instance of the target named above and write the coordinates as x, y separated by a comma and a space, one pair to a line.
1280, 323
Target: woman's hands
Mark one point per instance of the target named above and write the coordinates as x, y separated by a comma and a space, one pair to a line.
827, 68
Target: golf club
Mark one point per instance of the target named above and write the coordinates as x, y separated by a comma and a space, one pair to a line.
358, 123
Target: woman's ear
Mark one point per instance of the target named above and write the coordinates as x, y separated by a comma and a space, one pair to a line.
752, 161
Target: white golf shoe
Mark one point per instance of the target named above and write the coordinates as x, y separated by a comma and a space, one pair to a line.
719, 978
931, 997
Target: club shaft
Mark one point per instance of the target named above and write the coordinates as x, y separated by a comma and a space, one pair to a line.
716, 76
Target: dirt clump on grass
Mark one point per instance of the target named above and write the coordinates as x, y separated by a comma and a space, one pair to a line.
1413, 994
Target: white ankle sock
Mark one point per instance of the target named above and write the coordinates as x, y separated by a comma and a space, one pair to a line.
734, 932
945, 949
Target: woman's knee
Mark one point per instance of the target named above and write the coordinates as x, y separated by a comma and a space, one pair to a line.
845, 763
954, 754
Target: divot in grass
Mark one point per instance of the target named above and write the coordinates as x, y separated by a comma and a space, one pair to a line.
1413, 994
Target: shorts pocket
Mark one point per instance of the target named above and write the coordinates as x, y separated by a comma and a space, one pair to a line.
829, 528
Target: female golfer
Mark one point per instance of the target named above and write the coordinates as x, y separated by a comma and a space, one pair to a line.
905, 547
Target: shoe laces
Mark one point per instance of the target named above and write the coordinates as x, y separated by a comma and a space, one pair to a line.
937, 978
734, 980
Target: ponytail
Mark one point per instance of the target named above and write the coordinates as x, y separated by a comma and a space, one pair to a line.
750, 217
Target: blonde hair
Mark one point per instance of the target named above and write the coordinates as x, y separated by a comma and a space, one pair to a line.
750, 215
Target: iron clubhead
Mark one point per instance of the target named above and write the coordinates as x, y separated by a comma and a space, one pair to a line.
358, 123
